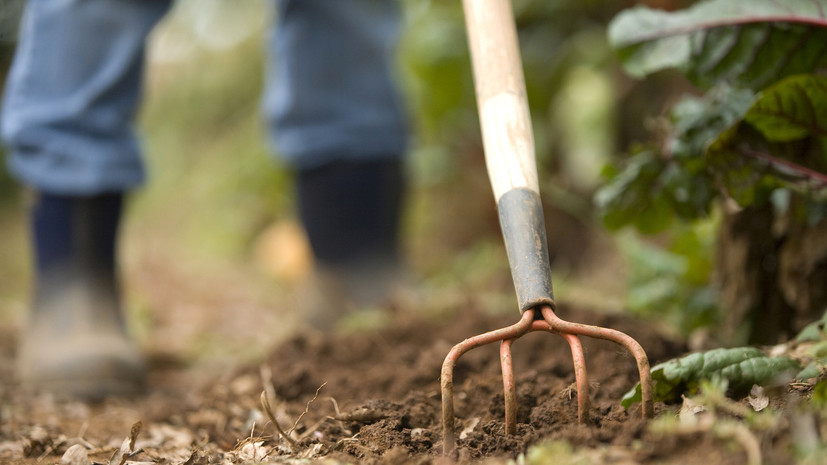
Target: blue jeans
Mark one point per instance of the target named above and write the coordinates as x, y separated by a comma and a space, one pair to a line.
75, 85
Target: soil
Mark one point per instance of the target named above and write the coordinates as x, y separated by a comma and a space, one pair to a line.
371, 396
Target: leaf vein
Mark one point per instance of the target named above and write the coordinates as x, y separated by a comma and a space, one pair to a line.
808, 102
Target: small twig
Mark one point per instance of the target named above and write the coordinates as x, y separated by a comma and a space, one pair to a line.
749, 442
306, 408
335, 407
265, 403
134, 432
48, 450
83, 429
267, 381
341, 442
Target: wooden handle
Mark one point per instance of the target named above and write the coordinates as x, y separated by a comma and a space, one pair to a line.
501, 95
509, 146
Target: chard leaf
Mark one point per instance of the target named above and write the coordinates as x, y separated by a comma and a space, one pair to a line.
792, 109
740, 367
815, 331
812, 370
780, 139
747, 43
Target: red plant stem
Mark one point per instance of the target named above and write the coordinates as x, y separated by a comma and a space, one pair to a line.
810, 173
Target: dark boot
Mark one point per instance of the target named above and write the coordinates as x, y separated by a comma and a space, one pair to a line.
75, 343
351, 211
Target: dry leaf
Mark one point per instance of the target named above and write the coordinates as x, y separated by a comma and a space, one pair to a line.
311, 452
254, 451
689, 409
11, 449
38, 442
120, 455
757, 399
167, 436
75, 455
197, 458
472, 423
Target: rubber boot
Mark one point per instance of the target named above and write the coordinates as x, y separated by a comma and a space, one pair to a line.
351, 211
74, 343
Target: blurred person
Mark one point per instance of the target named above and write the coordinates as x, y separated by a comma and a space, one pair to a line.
332, 111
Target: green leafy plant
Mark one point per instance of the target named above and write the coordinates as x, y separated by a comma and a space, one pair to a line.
759, 126
750, 137
748, 44
740, 368
814, 338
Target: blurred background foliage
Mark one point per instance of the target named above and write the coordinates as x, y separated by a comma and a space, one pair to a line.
215, 190
747, 146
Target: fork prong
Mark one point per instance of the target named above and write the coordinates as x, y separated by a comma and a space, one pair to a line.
551, 323
580, 378
566, 327
509, 388
447, 376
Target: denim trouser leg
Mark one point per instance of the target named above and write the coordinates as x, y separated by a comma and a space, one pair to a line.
75, 85
72, 93
330, 91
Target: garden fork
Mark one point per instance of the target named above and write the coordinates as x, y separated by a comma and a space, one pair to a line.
509, 154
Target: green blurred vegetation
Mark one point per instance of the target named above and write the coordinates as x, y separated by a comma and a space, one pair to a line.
671, 280
213, 184
569, 72
754, 124
751, 133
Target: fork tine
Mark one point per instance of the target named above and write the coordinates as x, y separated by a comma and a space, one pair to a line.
509, 388
566, 327
580, 377
551, 323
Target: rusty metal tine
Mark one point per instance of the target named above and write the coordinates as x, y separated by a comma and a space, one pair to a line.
580, 377
554, 324
567, 327
509, 388
447, 377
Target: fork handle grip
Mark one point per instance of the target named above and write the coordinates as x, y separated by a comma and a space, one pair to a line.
509, 146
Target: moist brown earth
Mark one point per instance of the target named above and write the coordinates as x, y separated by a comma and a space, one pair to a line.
369, 397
